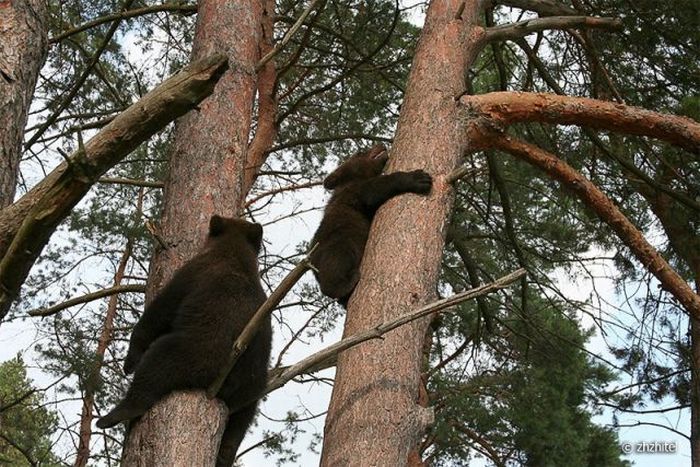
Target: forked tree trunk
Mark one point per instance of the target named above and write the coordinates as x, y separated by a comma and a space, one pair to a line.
22, 54
374, 418
206, 170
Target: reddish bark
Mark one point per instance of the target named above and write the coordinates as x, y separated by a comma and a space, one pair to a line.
207, 164
373, 414
595, 199
266, 131
506, 108
23, 51
86, 414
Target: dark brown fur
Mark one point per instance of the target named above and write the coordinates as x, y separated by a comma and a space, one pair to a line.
359, 190
185, 334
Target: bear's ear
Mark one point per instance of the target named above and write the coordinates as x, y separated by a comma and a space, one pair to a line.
254, 233
217, 225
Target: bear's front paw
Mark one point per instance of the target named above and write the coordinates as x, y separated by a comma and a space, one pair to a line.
421, 182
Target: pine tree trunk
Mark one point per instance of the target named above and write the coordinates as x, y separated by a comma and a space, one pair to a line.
22, 54
207, 164
374, 417
87, 413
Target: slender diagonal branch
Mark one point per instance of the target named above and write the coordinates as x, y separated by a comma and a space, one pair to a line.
282, 189
316, 361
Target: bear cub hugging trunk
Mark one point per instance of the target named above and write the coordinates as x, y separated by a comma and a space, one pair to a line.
359, 189
185, 334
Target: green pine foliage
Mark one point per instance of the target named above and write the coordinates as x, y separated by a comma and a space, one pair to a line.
27, 424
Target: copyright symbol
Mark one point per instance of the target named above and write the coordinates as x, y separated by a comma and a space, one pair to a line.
626, 447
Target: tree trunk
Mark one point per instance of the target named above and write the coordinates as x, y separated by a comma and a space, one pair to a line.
374, 418
87, 414
23, 51
207, 164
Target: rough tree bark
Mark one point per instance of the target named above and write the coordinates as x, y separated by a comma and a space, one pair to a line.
207, 165
23, 51
266, 131
374, 418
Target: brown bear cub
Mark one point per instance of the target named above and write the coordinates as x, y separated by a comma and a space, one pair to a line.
359, 188
185, 334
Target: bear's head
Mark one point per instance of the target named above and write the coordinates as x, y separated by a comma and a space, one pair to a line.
360, 166
234, 230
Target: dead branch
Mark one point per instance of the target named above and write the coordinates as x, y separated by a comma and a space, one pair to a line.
252, 327
596, 200
463, 171
523, 28
319, 360
507, 108
87, 298
26, 225
129, 181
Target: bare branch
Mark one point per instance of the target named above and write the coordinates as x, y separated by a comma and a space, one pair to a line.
463, 171
282, 189
26, 225
129, 181
252, 327
117, 289
523, 28
317, 360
